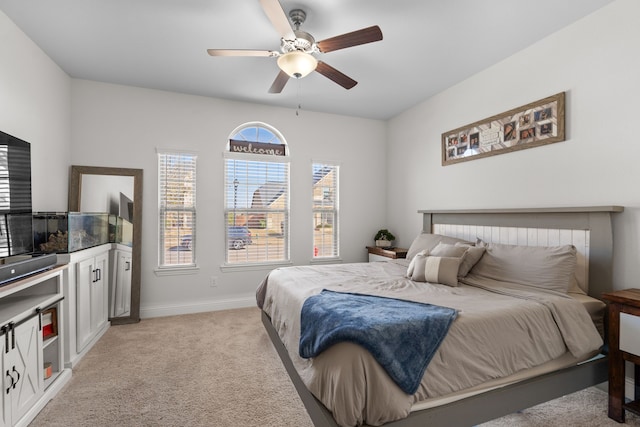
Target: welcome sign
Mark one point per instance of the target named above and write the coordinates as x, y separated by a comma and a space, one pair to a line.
264, 148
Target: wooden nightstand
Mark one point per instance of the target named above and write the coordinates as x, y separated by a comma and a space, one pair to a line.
380, 254
624, 344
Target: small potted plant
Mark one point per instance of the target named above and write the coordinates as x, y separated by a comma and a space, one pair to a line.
384, 238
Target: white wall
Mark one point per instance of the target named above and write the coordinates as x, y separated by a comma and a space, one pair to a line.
123, 126
594, 61
35, 106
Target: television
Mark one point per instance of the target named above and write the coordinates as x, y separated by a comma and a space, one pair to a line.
126, 208
16, 222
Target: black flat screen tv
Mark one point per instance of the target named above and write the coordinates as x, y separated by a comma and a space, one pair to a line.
16, 221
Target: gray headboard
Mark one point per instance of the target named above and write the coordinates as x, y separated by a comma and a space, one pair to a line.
595, 219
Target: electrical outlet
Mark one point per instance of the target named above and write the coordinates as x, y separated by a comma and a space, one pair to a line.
214, 281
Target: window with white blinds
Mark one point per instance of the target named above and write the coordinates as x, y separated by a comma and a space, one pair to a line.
256, 189
326, 241
177, 200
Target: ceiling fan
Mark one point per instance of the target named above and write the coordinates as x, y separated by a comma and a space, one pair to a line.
297, 48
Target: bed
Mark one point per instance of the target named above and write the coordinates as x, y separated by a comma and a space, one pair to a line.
464, 394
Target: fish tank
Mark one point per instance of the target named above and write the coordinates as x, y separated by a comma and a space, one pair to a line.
120, 230
66, 232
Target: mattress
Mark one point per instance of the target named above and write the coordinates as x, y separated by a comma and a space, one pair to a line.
498, 336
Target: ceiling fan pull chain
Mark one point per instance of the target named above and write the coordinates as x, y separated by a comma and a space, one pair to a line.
299, 105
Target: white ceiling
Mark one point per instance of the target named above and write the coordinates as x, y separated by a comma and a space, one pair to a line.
428, 45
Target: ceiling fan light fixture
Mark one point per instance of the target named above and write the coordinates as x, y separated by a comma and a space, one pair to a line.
297, 64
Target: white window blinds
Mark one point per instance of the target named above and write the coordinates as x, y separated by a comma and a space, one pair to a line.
256, 208
177, 200
325, 211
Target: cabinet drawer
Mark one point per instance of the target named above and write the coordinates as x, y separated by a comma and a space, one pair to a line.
630, 333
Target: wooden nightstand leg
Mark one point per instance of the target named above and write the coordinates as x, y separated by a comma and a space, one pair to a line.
616, 389
616, 367
636, 382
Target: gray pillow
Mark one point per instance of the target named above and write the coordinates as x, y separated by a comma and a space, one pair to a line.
448, 250
471, 257
428, 241
546, 267
443, 270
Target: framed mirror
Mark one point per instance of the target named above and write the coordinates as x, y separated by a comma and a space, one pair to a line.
88, 174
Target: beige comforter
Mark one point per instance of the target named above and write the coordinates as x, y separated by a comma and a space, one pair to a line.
496, 333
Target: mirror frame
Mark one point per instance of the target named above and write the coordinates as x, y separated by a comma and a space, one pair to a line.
75, 190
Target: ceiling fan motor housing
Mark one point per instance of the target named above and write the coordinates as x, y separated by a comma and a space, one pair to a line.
304, 42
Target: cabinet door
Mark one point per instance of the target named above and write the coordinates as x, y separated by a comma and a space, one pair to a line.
27, 361
92, 298
122, 291
85, 277
5, 381
100, 292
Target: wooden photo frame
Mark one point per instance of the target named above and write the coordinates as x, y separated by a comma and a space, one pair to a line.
532, 125
49, 323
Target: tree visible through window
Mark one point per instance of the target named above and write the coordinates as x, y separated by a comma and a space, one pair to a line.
177, 200
256, 196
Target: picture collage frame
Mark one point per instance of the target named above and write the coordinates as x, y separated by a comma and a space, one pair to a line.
532, 125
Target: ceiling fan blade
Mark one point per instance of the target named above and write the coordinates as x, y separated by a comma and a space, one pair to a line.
278, 84
331, 73
278, 18
241, 52
355, 38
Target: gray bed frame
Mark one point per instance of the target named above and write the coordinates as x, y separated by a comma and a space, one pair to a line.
508, 399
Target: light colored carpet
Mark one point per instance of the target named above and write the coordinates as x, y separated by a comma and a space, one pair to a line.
219, 369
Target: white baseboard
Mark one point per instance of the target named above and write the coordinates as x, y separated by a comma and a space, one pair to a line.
629, 387
240, 301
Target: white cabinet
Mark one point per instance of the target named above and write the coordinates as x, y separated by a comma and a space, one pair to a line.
120, 292
24, 352
22, 358
87, 294
91, 298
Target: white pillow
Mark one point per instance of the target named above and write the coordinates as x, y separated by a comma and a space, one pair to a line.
412, 264
419, 262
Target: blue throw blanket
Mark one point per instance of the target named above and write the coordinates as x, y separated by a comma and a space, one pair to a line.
402, 335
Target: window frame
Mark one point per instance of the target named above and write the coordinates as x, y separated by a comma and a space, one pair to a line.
176, 268
229, 155
335, 210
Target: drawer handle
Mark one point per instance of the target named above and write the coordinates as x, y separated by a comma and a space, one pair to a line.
17, 379
12, 381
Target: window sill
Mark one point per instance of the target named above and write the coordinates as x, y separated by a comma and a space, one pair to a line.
253, 267
176, 271
328, 260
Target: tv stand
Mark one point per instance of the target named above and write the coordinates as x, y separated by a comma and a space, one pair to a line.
27, 345
20, 266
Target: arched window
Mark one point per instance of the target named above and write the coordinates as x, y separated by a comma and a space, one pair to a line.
256, 189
